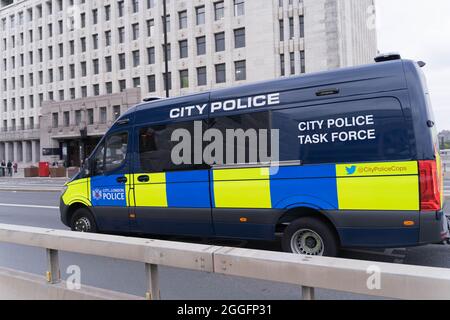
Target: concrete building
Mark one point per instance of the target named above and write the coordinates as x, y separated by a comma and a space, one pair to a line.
69, 67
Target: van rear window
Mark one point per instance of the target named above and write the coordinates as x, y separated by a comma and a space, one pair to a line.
356, 131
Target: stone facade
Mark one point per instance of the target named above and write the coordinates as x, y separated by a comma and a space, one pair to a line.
67, 56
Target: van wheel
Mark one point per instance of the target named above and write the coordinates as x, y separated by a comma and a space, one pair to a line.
83, 221
310, 236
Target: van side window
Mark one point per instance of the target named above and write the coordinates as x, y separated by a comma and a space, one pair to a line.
155, 148
355, 131
113, 156
244, 131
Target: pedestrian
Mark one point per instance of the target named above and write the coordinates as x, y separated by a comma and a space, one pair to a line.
9, 166
3, 168
16, 167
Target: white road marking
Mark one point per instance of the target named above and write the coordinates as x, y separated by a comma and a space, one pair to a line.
26, 206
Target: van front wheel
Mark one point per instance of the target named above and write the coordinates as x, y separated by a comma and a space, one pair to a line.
310, 236
83, 221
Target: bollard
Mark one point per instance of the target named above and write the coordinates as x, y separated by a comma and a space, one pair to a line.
151, 272
53, 273
308, 293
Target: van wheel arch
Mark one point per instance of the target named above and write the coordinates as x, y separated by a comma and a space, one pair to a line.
299, 212
76, 206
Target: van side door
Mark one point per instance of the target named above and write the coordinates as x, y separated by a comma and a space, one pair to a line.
170, 198
110, 182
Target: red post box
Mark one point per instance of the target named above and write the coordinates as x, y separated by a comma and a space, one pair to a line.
44, 169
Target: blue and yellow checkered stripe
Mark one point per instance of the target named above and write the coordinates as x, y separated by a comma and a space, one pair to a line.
367, 186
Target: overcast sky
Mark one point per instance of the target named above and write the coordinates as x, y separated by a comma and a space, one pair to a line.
420, 30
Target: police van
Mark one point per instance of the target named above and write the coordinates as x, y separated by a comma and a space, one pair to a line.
357, 164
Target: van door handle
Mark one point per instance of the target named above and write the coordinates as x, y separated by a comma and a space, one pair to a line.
144, 178
122, 179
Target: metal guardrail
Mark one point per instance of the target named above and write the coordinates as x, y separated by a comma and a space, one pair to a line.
396, 281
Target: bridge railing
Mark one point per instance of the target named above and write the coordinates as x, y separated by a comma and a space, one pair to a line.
352, 276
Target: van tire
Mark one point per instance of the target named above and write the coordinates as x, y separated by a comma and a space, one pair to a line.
83, 221
310, 236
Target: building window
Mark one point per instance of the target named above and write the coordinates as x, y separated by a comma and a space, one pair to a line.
83, 69
83, 44
282, 69
220, 73
107, 13
109, 87
136, 82
220, 41
96, 89
292, 62
122, 85
200, 15
182, 17
108, 63
151, 55
201, 46
168, 52
150, 27
95, 41
239, 38
201, 76
95, 16
77, 117
239, 7
240, 70
184, 79
302, 26
116, 112
151, 83
136, 58
281, 23
302, 62
219, 10
121, 31
122, 61
90, 116
107, 38
120, 8
135, 4
291, 28
55, 120
183, 49
169, 80
103, 115
167, 23
66, 118
135, 28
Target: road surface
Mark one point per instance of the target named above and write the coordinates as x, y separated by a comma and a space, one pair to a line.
39, 209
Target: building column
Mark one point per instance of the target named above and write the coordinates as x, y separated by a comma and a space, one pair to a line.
24, 151
2, 151
15, 151
7, 151
35, 152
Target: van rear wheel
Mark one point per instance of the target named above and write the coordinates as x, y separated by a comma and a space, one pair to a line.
310, 236
83, 221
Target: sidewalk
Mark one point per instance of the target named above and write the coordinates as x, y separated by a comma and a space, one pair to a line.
18, 183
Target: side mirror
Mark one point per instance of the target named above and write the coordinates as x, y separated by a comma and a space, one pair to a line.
86, 169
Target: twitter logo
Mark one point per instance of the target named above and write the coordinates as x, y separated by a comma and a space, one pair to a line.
350, 170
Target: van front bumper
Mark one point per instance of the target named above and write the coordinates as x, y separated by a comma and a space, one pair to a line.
63, 209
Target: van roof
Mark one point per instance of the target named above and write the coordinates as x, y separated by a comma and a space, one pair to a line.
377, 73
